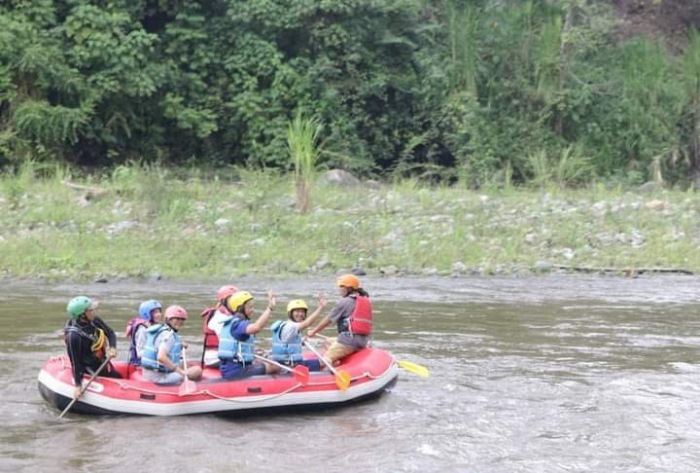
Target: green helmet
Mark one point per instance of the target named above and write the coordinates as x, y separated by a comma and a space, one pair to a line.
77, 306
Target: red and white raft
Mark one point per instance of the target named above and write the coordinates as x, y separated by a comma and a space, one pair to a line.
372, 371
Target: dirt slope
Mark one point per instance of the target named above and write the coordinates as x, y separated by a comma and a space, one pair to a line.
669, 19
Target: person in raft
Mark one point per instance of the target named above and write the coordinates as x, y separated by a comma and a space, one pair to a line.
212, 319
163, 350
286, 334
89, 342
237, 338
150, 313
353, 316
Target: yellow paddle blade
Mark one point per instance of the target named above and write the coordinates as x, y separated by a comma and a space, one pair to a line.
420, 370
342, 379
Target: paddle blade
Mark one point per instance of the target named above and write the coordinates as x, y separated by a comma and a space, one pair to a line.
342, 379
420, 370
301, 374
187, 387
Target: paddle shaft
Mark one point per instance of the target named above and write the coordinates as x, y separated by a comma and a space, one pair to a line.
323, 360
273, 362
184, 365
92, 378
342, 377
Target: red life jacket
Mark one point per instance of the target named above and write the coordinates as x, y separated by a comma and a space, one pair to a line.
360, 322
210, 338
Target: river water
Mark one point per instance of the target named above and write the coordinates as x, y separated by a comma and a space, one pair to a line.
550, 374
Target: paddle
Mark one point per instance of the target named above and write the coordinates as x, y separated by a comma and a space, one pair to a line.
420, 370
92, 378
342, 377
300, 372
188, 386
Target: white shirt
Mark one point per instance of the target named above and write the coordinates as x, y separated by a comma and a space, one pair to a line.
216, 323
289, 331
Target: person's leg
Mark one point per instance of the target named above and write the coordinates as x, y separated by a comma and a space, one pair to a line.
194, 372
230, 369
254, 370
313, 365
108, 371
336, 352
170, 378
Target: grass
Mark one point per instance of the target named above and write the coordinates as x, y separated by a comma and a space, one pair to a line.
150, 222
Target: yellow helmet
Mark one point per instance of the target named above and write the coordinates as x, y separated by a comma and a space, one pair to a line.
349, 280
237, 300
296, 304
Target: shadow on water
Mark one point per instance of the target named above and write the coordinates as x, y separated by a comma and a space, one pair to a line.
541, 374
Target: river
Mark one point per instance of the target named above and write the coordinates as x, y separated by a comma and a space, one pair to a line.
547, 374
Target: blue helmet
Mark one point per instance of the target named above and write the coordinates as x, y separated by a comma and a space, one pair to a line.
147, 307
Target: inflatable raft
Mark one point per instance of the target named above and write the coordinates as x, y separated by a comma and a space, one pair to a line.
371, 371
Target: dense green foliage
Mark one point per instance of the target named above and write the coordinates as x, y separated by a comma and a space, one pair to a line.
472, 91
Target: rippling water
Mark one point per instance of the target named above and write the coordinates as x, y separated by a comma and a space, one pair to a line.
553, 374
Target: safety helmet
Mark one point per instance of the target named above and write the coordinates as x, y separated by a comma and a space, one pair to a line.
237, 300
147, 307
349, 280
175, 312
296, 304
78, 306
225, 291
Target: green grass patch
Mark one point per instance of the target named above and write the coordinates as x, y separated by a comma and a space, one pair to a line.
138, 221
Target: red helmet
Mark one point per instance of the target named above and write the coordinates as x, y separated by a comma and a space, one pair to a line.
175, 312
225, 291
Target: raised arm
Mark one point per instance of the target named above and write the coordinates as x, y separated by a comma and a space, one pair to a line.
259, 324
322, 301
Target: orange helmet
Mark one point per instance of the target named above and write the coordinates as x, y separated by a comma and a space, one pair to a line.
349, 280
225, 291
175, 312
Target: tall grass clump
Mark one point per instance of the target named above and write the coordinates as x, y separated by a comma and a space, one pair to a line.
146, 184
303, 135
568, 169
15, 185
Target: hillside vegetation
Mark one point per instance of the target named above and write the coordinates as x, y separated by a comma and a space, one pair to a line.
480, 92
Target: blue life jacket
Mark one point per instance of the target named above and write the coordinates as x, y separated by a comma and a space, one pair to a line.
131, 329
285, 352
150, 351
231, 348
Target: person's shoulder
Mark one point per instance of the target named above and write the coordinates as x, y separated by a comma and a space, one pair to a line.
290, 328
99, 321
291, 325
346, 301
240, 326
71, 332
166, 335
